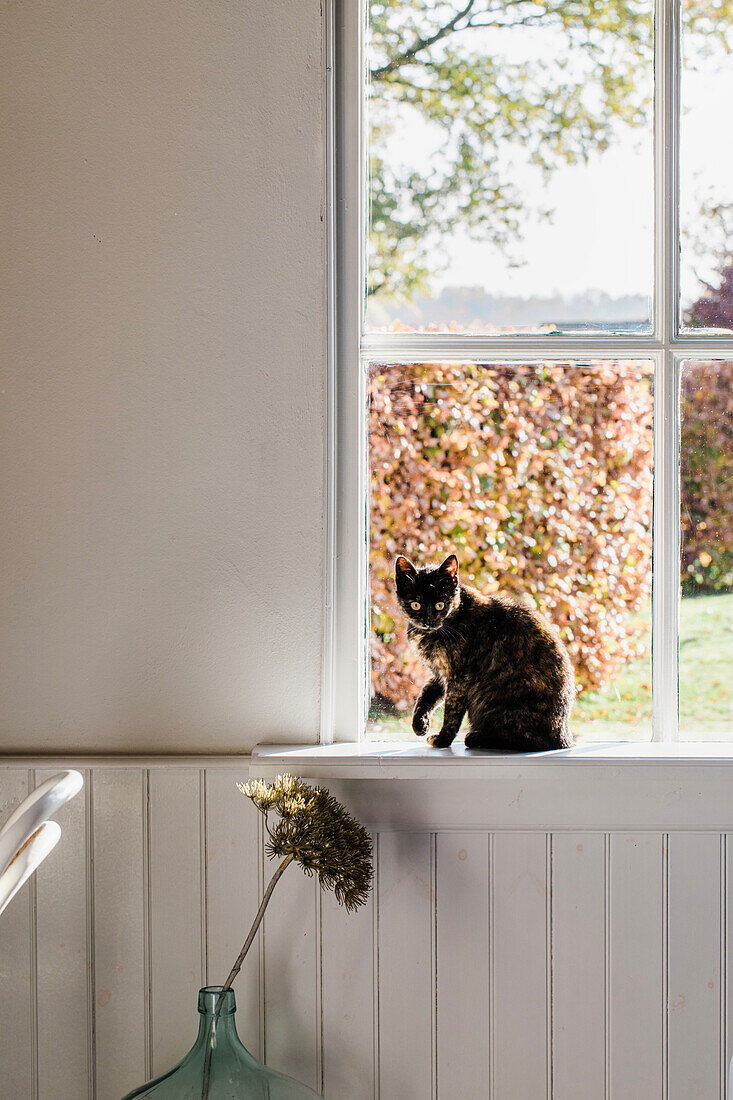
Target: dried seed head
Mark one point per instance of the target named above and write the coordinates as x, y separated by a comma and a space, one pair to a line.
319, 833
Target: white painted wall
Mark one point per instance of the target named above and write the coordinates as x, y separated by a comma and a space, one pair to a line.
161, 373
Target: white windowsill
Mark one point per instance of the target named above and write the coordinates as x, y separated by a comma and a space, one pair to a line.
601, 787
407, 760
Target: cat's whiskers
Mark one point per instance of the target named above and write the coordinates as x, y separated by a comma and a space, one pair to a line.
451, 631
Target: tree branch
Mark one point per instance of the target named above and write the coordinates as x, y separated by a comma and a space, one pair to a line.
422, 44
473, 22
525, 21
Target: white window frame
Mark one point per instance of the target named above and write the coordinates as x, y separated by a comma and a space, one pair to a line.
345, 665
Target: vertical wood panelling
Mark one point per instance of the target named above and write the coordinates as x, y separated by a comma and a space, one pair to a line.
64, 969
405, 966
520, 958
175, 911
463, 978
292, 977
232, 869
727, 998
348, 1003
635, 961
475, 952
16, 995
578, 966
694, 966
724, 989
119, 931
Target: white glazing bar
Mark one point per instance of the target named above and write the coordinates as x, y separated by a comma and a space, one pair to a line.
671, 117
424, 347
710, 345
665, 614
665, 69
665, 599
435, 346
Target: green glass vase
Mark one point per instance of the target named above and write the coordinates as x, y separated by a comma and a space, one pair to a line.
233, 1075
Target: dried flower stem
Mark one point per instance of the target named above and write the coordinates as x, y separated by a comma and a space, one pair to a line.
256, 924
314, 829
236, 968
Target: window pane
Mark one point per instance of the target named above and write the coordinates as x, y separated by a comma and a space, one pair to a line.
539, 477
510, 165
706, 615
706, 167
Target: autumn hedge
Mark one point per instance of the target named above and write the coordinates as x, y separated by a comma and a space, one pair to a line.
706, 446
538, 476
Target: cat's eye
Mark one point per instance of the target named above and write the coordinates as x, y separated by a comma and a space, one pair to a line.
439, 606
415, 606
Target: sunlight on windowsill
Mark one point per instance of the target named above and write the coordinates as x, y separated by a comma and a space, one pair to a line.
416, 760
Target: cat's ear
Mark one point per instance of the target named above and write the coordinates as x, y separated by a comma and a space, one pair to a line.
404, 570
449, 568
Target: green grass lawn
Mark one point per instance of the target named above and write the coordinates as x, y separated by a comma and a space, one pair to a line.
622, 710
706, 668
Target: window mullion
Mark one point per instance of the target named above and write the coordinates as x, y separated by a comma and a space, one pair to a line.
666, 157
666, 558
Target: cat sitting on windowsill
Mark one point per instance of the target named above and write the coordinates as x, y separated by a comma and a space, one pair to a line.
490, 656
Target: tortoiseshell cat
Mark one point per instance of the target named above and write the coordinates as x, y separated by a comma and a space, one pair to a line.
491, 656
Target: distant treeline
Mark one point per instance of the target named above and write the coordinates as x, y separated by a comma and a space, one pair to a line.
472, 307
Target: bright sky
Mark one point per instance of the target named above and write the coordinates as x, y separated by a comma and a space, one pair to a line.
601, 235
706, 157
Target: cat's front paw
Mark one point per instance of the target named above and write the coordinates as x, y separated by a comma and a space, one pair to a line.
440, 741
420, 722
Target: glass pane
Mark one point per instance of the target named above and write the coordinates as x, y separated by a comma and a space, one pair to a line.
706, 165
539, 477
706, 614
510, 165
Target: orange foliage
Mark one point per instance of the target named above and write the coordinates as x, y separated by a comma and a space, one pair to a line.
538, 476
707, 477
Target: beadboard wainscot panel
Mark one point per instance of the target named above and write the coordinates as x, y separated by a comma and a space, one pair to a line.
233, 894
494, 960
17, 965
349, 1004
292, 976
121, 1018
579, 863
64, 967
406, 972
520, 948
694, 966
726, 1006
462, 963
635, 1057
177, 903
